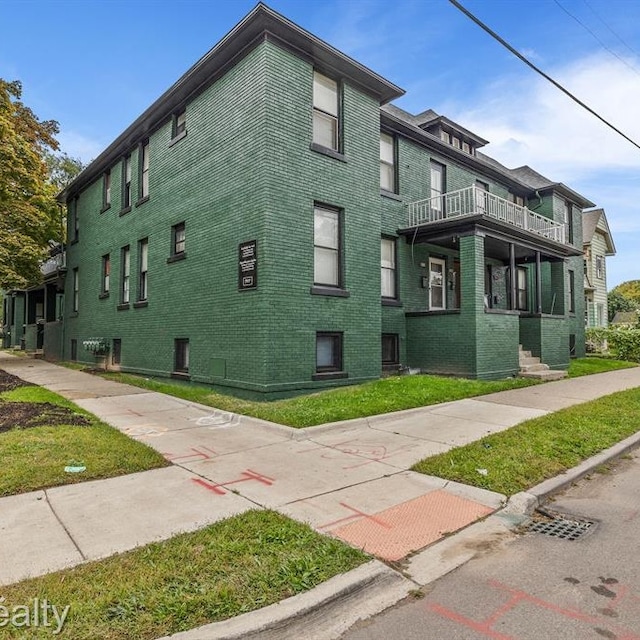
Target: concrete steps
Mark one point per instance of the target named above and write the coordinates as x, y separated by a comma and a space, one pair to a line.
531, 367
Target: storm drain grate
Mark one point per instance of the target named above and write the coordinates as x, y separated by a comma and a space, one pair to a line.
562, 528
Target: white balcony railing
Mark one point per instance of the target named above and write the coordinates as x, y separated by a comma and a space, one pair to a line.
473, 201
53, 264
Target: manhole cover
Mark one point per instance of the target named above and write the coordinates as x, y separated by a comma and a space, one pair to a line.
562, 528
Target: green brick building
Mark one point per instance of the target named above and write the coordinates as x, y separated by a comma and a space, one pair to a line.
273, 224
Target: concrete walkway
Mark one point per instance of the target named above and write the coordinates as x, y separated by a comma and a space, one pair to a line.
348, 479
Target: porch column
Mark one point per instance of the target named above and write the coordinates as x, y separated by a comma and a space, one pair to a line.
472, 276
538, 284
512, 277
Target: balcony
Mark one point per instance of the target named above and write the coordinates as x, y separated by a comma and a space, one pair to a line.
475, 201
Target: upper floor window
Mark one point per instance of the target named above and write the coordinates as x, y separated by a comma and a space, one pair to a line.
572, 292
516, 199
143, 164
599, 267
178, 238
325, 112
388, 267
75, 220
126, 182
437, 189
106, 273
387, 162
143, 276
326, 240
106, 190
568, 216
179, 124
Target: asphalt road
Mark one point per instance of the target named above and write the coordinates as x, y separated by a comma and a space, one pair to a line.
540, 587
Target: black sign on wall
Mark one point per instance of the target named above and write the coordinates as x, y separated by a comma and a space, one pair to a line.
248, 265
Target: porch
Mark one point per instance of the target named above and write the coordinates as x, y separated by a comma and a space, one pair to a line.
489, 286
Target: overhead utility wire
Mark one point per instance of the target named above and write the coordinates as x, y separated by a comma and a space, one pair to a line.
530, 64
596, 38
597, 15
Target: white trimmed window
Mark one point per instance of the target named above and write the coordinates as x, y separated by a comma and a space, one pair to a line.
325, 111
387, 162
326, 240
125, 277
143, 279
144, 170
388, 267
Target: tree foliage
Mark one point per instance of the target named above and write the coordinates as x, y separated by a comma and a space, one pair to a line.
62, 169
29, 215
618, 302
629, 290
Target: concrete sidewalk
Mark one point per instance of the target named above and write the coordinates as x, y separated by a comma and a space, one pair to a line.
348, 479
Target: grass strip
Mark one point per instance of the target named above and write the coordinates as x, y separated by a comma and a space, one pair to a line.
344, 403
35, 458
595, 364
231, 567
527, 454
394, 393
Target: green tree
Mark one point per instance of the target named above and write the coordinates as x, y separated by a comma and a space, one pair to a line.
62, 169
618, 302
29, 215
629, 290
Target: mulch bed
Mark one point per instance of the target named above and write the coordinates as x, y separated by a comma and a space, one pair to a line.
9, 382
26, 415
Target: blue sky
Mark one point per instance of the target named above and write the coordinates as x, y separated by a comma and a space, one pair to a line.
95, 65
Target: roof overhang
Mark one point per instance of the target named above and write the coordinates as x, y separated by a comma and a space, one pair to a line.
262, 23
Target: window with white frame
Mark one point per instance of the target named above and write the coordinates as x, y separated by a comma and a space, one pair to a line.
126, 182
326, 240
143, 163
106, 273
599, 267
388, 267
179, 124
326, 130
143, 275
125, 274
178, 239
437, 189
106, 190
387, 162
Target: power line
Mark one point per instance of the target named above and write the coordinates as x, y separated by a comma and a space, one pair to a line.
596, 38
530, 64
597, 15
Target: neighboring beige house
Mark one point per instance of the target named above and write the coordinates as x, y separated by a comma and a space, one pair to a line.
598, 245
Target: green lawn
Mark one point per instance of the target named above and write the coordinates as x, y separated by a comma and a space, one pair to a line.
595, 364
35, 458
357, 401
527, 454
231, 567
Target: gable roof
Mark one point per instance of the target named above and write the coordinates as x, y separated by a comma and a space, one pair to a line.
596, 220
261, 23
625, 317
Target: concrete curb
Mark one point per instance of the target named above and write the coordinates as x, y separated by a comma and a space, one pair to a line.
526, 502
323, 613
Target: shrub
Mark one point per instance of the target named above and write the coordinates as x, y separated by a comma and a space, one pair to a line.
622, 342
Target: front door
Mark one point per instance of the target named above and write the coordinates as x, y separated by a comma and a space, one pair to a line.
437, 299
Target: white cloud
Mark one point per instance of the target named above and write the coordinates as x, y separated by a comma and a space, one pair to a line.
528, 121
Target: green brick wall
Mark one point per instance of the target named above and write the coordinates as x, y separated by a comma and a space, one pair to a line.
215, 180
245, 171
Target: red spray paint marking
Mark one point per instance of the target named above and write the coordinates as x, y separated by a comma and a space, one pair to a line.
219, 488
356, 514
517, 596
199, 453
